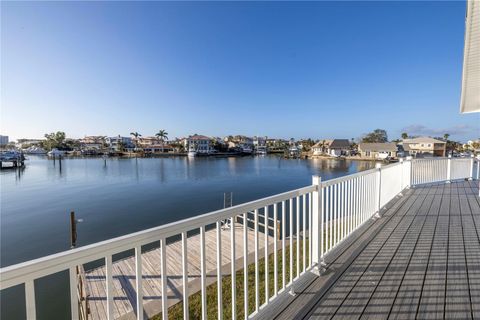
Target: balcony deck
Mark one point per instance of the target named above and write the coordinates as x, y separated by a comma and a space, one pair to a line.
420, 260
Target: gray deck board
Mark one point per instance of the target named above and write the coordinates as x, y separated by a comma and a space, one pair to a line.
421, 262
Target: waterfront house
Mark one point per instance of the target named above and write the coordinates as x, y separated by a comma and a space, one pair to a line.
377, 150
92, 143
332, 147
143, 142
157, 148
200, 143
259, 141
115, 144
424, 146
25, 143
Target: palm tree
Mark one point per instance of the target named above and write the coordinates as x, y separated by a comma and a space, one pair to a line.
162, 135
404, 135
446, 136
136, 135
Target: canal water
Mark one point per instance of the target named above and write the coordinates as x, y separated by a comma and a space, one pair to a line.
118, 196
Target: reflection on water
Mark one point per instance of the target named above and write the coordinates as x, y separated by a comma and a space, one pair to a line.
117, 196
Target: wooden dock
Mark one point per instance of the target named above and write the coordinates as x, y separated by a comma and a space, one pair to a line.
419, 261
124, 274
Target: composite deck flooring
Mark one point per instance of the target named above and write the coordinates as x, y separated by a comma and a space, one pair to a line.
124, 279
420, 260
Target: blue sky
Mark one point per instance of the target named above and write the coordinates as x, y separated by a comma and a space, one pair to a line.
284, 69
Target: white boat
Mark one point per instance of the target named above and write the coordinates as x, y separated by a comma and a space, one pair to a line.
261, 150
11, 155
246, 149
383, 155
56, 153
34, 150
293, 151
192, 152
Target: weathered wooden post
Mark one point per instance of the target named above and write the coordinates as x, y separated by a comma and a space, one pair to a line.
73, 230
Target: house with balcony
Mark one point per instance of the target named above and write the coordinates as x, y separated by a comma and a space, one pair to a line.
201, 144
120, 144
424, 147
92, 143
377, 150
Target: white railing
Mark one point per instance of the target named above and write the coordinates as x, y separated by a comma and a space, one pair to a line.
313, 221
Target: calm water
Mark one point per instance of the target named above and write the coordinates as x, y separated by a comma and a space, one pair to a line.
128, 195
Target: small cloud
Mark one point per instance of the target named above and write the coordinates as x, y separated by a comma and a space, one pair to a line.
418, 129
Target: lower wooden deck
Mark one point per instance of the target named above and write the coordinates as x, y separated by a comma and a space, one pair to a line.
420, 260
124, 279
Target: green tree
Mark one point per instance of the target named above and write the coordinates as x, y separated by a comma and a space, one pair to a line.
162, 135
54, 140
378, 136
136, 135
446, 136
404, 135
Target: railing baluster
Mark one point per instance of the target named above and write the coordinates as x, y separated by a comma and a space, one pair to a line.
330, 217
304, 218
356, 207
297, 212
185, 275
109, 278
341, 206
234, 273
245, 264
257, 273
291, 238
326, 205
275, 249
73, 293
321, 212
352, 205
139, 286
219, 271
335, 212
203, 279
284, 222
163, 270
266, 253
348, 194
30, 300
310, 227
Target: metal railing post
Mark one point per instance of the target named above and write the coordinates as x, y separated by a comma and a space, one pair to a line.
478, 167
470, 178
410, 171
378, 166
449, 168
317, 225
401, 176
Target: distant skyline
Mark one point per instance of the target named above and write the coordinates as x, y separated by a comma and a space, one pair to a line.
280, 69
